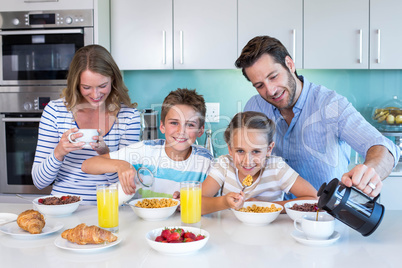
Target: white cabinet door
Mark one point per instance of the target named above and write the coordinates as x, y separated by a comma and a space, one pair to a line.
280, 19
336, 34
391, 196
385, 34
205, 34
141, 34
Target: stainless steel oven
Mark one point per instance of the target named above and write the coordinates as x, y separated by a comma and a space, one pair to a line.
37, 46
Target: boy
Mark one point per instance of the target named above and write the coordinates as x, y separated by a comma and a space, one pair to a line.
171, 160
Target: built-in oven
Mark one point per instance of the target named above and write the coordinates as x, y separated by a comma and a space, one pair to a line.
37, 46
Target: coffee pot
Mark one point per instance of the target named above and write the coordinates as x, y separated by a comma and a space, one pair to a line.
351, 206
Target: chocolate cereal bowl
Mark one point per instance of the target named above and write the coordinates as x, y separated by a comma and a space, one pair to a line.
57, 207
304, 207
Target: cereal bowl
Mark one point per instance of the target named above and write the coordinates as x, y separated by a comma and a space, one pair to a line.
295, 214
257, 219
55, 210
153, 214
177, 248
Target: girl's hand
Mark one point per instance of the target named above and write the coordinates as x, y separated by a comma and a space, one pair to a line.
99, 146
65, 146
235, 200
126, 173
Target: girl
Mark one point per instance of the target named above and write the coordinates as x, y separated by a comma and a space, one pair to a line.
249, 138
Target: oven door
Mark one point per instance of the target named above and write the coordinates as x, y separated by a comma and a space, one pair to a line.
18, 139
39, 57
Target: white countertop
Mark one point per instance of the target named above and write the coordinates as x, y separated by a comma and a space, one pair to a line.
232, 244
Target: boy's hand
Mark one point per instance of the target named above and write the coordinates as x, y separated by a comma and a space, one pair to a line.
235, 200
126, 173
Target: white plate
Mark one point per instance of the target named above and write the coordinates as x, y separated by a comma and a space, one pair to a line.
7, 217
301, 238
14, 230
65, 244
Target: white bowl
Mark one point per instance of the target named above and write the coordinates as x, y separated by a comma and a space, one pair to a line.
55, 210
177, 248
257, 219
153, 214
295, 214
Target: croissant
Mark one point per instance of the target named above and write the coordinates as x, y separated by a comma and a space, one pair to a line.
31, 221
83, 234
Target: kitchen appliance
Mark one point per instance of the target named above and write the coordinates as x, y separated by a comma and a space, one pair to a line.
38, 40
149, 124
351, 206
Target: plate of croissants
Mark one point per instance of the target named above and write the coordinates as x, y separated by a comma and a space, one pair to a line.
86, 238
30, 224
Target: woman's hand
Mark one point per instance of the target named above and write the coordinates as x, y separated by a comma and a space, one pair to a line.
65, 146
99, 146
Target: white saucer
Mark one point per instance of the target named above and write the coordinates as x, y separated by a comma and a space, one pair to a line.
301, 238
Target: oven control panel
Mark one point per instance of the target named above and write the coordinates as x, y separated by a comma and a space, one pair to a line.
38, 104
47, 19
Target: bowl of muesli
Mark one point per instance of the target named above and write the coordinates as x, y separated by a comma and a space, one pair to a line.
57, 206
296, 209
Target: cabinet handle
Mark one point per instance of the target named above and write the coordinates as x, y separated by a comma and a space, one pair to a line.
294, 45
379, 46
164, 47
181, 47
361, 45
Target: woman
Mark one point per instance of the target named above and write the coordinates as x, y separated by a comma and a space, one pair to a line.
95, 98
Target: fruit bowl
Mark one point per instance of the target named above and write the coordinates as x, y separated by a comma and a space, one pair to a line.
388, 116
177, 248
153, 214
55, 210
296, 214
257, 219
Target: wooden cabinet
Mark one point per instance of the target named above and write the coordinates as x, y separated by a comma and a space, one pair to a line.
280, 19
336, 34
174, 34
385, 34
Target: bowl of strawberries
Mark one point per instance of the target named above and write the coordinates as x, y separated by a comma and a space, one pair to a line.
178, 240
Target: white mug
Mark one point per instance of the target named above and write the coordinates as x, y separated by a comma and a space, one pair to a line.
87, 135
320, 229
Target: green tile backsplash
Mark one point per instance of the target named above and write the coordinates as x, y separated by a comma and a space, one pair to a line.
365, 89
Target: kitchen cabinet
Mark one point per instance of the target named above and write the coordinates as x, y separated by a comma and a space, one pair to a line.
265, 17
385, 34
174, 34
336, 34
141, 34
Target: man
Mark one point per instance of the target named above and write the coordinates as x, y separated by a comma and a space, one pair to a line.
315, 126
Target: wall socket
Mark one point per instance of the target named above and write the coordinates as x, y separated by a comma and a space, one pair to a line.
212, 115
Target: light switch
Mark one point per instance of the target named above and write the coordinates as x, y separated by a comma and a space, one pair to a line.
212, 115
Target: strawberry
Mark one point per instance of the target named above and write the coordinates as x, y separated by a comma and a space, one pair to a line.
199, 237
176, 241
159, 239
188, 239
189, 235
165, 233
64, 197
173, 237
40, 200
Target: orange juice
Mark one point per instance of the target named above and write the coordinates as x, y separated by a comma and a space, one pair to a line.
108, 208
190, 202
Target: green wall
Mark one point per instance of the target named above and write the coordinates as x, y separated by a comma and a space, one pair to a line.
365, 89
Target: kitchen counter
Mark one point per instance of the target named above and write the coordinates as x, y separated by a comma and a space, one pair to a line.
232, 244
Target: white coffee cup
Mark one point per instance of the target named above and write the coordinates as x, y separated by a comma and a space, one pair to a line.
87, 137
314, 229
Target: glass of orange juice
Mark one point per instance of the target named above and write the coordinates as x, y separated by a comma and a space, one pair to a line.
108, 206
190, 203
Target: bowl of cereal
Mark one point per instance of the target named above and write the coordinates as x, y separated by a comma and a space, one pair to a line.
296, 209
258, 213
154, 209
57, 206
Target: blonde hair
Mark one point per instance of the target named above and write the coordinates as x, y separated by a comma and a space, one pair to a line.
96, 59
